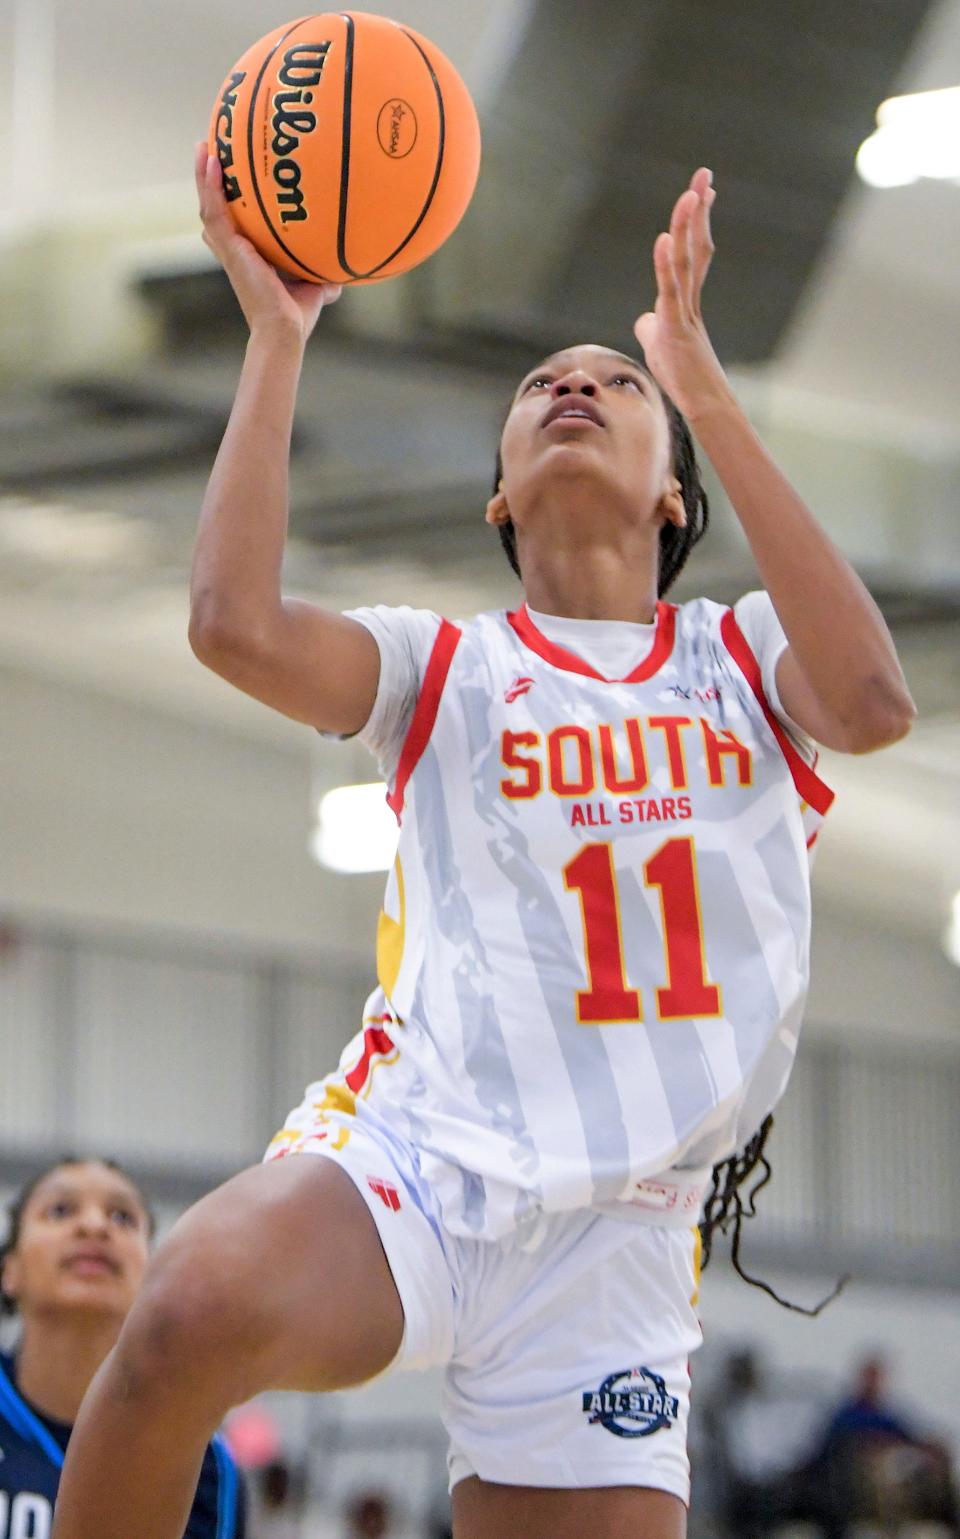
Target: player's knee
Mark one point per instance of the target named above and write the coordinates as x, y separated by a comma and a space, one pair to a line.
189, 1325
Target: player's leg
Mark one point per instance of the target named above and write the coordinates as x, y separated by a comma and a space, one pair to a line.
482, 1510
276, 1280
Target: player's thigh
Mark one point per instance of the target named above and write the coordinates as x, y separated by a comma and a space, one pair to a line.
281, 1269
482, 1510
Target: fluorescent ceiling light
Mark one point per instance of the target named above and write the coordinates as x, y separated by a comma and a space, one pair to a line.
58, 535
355, 830
917, 136
951, 935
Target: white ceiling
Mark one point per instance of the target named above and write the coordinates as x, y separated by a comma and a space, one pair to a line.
881, 315
112, 112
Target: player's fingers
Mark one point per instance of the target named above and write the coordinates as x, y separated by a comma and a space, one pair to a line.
701, 180
682, 247
327, 293
214, 181
704, 247
213, 207
668, 283
644, 327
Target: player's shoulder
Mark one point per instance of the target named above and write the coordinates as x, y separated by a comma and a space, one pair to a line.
701, 621
404, 619
404, 635
488, 621
700, 613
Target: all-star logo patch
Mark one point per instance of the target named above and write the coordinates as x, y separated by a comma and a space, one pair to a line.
633, 1402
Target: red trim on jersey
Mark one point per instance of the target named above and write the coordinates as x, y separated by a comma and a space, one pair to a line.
376, 1044
571, 663
425, 711
807, 781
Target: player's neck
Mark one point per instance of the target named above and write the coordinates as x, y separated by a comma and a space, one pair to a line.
596, 585
57, 1359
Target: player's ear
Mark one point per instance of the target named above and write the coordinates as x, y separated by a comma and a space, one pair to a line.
671, 508
497, 510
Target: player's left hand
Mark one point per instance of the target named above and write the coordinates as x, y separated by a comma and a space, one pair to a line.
673, 336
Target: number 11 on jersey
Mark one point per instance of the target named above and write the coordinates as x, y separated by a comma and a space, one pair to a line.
687, 993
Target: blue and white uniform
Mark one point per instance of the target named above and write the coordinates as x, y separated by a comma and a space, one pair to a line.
32, 1449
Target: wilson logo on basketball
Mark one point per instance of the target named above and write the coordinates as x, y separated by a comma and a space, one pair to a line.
397, 128
301, 73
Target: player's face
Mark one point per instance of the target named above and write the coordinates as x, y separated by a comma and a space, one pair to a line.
83, 1244
594, 416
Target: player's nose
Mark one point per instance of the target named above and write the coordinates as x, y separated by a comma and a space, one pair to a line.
91, 1219
574, 382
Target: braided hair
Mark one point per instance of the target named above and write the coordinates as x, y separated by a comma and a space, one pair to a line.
675, 544
17, 1208
726, 1209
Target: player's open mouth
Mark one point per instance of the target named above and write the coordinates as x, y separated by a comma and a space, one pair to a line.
573, 408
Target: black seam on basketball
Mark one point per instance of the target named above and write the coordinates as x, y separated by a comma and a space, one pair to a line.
253, 169
341, 252
345, 148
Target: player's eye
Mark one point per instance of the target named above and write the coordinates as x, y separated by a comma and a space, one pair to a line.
61, 1208
538, 382
627, 379
125, 1217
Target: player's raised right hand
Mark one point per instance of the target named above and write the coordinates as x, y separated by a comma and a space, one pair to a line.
271, 302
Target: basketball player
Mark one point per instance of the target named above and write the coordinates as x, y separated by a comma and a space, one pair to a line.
75, 1254
592, 955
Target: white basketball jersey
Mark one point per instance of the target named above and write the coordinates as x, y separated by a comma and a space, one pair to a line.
593, 952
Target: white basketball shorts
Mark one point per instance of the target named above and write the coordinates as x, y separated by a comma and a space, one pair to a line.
565, 1346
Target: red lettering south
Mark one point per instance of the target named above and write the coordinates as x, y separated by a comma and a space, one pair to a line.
671, 727
583, 778
720, 744
532, 784
576, 761
637, 776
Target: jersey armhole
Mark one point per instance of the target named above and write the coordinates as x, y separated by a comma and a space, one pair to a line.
425, 712
814, 791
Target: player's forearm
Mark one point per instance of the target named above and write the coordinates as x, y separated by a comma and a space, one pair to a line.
235, 582
835, 630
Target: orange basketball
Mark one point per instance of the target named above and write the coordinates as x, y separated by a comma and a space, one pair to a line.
350, 147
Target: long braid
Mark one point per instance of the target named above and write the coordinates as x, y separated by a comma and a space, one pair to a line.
726, 1209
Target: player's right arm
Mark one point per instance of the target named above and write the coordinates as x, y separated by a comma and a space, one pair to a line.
312, 664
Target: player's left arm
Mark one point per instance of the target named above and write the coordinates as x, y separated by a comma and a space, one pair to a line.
839, 677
